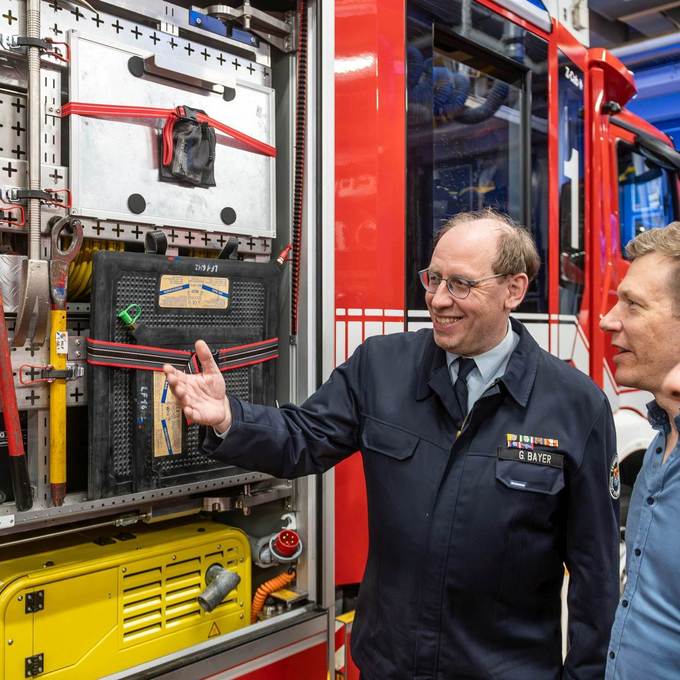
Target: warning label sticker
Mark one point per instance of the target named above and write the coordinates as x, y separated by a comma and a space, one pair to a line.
193, 292
167, 419
214, 630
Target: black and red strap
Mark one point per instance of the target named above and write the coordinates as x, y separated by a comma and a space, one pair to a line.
149, 358
117, 111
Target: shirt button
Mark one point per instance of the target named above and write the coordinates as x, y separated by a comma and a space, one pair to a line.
659, 449
624, 603
650, 500
638, 552
611, 655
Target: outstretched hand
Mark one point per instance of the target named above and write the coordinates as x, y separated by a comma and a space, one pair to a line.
202, 396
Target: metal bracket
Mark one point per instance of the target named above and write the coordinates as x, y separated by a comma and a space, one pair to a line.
272, 30
49, 374
34, 665
248, 499
35, 602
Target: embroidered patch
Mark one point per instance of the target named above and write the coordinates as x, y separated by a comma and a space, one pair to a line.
529, 441
615, 479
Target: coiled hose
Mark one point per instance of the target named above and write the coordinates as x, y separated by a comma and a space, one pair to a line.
266, 589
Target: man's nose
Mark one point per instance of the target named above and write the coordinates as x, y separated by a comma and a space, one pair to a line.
610, 322
441, 297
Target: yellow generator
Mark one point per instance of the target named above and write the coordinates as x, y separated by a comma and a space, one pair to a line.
100, 601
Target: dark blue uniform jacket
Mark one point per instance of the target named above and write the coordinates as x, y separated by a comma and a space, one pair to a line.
468, 535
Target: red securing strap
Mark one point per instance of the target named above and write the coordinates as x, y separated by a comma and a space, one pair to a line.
116, 111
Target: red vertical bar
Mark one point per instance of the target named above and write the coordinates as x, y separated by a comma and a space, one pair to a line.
369, 208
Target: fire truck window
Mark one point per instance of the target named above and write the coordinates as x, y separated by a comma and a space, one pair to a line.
645, 194
467, 147
571, 187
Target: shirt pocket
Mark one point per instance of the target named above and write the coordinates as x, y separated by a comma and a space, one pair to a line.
531, 477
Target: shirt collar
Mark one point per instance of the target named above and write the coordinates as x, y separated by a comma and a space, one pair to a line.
489, 362
658, 418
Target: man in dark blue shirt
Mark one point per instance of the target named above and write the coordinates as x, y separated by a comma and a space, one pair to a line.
645, 327
487, 464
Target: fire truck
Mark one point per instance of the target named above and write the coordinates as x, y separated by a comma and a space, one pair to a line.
266, 175
506, 107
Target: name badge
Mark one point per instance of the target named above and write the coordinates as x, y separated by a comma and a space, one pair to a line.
532, 457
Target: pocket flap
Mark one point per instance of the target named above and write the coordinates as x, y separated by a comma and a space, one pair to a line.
547, 478
387, 439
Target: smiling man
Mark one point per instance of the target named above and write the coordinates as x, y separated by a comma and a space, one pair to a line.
487, 464
645, 327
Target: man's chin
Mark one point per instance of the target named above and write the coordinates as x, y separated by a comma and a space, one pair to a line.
627, 377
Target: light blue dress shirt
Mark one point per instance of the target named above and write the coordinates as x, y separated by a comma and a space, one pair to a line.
645, 640
488, 366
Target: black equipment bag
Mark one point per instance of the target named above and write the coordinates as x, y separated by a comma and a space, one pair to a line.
138, 437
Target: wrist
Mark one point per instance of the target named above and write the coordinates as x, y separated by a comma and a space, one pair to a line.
225, 423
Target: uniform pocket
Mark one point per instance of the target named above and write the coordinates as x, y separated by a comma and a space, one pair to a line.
387, 439
535, 477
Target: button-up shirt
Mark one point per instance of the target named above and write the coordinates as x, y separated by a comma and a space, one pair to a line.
488, 366
645, 640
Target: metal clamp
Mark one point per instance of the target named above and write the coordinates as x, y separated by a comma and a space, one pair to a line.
50, 196
19, 44
48, 374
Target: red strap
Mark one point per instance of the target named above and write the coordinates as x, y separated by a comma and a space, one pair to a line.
115, 111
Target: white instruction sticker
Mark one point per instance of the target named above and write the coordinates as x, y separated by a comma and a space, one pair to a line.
193, 292
61, 342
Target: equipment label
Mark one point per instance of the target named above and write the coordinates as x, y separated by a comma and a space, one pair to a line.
61, 342
194, 292
167, 419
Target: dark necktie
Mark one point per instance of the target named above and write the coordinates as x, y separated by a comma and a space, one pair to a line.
460, 388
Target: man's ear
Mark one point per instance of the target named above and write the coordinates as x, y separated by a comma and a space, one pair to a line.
518, 284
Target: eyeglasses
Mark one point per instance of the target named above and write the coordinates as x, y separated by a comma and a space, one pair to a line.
456, 285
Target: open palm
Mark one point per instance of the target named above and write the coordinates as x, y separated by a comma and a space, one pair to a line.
202, 396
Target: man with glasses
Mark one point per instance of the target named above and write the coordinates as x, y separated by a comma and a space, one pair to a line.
487, 464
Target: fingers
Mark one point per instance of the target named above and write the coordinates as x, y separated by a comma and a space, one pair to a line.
205, 356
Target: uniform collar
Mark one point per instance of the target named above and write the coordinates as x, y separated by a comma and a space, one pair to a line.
519, 376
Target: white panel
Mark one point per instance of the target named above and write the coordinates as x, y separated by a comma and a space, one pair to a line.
393, 327
112, 159
580, 356
420, 324
354, 335
373, 328
340, 348
567, 340
355, 312
539, 332
373, 312
394, 312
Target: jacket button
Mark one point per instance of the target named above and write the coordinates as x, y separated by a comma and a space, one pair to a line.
638, 552
624, 603
650, 500
611, 655
659, 449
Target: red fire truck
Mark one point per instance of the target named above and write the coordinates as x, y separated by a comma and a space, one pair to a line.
444, 107
350, 128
